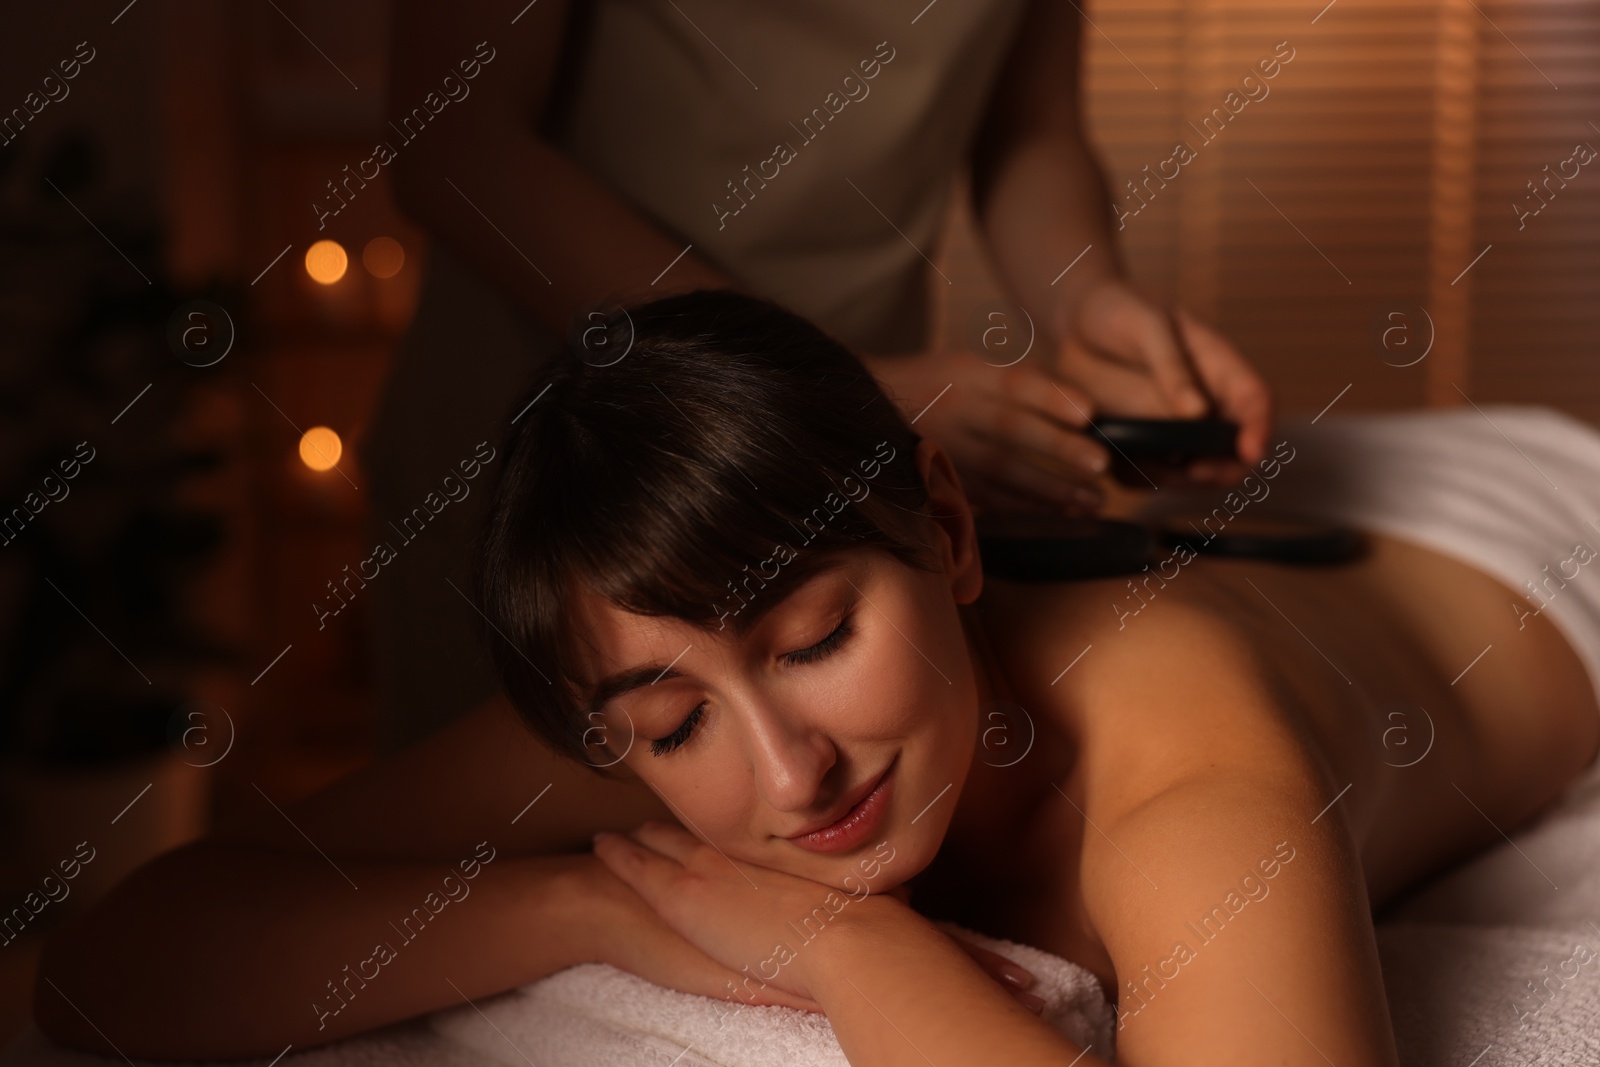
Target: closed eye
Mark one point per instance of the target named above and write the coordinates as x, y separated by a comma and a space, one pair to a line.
822, 649
826, 646
662, 745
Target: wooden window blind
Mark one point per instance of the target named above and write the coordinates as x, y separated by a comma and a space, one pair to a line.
1373, 176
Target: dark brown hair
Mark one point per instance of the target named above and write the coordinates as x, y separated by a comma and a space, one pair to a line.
668, 459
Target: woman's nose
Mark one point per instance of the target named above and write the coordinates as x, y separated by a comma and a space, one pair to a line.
790, 758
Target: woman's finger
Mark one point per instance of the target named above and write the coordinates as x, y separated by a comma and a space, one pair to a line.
1012, 976
655, 952
667, 838
773, 995
635, 863
1001, 967
1029, 1001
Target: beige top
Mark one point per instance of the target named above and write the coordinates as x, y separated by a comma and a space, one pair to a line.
807, 148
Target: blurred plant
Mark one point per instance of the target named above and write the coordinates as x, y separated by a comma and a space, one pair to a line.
81, 335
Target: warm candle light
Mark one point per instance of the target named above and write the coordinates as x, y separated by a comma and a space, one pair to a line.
383, 257
326, 262
320, 448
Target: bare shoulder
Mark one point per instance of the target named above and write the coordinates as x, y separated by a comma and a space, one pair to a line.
1151, 699
483, 777
1199, 791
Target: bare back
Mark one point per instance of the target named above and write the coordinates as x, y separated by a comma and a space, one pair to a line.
1438, 722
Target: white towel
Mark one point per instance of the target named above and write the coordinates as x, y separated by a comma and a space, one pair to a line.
594, 1015
1496, 954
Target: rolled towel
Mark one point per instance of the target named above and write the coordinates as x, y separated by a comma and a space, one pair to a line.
595, 1015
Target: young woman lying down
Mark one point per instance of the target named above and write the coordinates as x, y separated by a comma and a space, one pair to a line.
744, 629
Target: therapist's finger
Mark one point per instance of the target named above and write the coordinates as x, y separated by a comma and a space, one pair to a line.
1033, 388
1025, 415
1240, 391
1120, 389
1003, 463
1122, 323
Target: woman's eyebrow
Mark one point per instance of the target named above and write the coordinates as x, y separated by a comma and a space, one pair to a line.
614, 685
746, 618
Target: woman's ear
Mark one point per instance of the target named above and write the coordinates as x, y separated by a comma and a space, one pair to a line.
952, 516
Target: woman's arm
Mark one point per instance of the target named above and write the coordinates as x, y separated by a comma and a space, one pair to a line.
215, 951
484, 182
1290, 977
1224, 884
899, 992
1257, 947
226, 947
781, 933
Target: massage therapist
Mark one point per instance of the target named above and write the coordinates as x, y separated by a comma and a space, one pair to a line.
804, 152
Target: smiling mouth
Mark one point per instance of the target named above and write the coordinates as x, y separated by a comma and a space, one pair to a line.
853, 820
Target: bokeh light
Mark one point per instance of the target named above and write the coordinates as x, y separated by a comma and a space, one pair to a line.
383, 257
326, 262
320, 448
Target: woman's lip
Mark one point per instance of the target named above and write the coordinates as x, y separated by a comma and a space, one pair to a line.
856, 823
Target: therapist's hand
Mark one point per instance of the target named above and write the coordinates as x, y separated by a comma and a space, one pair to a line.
1137, 360
1013, 433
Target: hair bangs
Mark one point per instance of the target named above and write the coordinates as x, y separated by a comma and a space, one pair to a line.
727, 458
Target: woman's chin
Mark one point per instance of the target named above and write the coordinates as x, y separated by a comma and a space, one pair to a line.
881, 867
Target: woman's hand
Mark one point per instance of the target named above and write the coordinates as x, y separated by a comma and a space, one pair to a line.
1136, 360
627, 933
738, 918
1012, 432
739, 915
1012, 976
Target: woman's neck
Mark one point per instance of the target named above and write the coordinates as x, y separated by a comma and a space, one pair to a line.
1017, 754
1010, 774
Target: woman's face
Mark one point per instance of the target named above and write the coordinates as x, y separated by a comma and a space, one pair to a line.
754, 740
